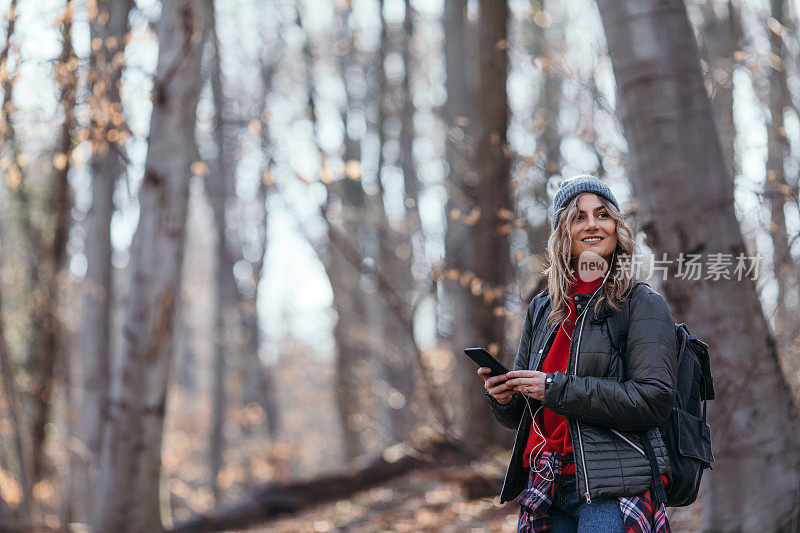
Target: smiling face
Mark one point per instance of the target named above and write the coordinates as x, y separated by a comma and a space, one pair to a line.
593, 229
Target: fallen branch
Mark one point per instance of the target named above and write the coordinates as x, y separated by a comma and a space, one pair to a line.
275, 499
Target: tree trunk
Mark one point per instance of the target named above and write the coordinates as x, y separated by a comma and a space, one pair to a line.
352, 330
492, 159
395, 247
127, 497
219, 186
19, 425
106, 167
686, 201
459, 112
719, 41
485, 268
548, 46
258, 383
351, 353
45, 350
775, 188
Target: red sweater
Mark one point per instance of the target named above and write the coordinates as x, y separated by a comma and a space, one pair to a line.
552, 425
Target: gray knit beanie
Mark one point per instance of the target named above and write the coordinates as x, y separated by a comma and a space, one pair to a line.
577, 185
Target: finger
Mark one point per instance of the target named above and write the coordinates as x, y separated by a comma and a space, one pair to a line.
523, 373
497, 389
502, 397
496, 386
497, 379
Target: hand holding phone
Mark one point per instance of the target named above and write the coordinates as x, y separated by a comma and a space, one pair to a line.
483, 358
493, 373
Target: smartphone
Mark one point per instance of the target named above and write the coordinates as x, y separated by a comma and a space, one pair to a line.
484, 358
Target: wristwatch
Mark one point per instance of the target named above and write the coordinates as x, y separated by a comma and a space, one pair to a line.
548, 379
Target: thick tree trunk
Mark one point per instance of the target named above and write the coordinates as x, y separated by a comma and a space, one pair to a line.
686, 201
127, 497
106, 167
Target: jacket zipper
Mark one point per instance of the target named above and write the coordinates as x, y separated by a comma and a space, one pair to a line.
623, 437
577, 424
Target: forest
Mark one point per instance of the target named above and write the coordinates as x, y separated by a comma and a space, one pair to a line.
244, 243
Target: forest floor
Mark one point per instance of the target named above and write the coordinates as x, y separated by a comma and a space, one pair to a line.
423, 501
309, 445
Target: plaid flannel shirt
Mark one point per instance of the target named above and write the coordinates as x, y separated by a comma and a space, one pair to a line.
639, 513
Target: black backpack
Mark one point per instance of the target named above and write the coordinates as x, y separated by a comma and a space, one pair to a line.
686, 433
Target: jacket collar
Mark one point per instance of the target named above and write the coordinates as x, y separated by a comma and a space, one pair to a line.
582, 298
606, 310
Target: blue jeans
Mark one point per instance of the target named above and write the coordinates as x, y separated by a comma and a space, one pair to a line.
571, 514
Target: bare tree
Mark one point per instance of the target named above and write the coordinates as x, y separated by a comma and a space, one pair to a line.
109, 29
47, 253
258, 382
679, 176
776, 188
719, 42
220, 187
19, 425
395, 247
127, 493
459, 113
477, 243
546, 44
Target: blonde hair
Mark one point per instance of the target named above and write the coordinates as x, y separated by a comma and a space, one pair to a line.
560, 273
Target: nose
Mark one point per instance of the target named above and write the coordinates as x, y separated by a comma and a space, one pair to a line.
591, 222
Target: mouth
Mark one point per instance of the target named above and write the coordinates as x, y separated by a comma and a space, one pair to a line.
592, 240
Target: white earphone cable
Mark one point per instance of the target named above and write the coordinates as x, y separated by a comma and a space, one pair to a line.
539, 448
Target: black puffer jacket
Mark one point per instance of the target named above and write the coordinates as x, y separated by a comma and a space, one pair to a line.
608, 397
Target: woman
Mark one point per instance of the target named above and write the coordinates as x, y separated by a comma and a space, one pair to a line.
580, 405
